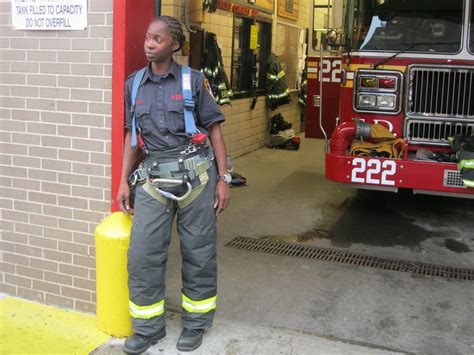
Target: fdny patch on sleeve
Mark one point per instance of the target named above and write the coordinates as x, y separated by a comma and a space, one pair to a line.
208, 88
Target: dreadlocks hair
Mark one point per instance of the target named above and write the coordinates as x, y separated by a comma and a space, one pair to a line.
174, 28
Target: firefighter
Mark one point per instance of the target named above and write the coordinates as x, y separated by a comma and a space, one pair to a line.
159, 112
278, 92
213, 68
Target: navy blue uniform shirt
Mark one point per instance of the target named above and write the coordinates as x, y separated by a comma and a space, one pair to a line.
159, 107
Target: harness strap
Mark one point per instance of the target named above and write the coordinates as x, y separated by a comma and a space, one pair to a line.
190, 125
136, 84
192, 167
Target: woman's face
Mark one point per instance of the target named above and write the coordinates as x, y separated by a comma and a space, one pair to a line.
159, 45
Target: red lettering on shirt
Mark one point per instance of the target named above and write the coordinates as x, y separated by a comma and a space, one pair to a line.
139, 102
177, 97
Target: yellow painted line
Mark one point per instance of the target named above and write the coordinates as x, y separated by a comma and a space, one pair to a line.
312, 76
313, 64
32, 328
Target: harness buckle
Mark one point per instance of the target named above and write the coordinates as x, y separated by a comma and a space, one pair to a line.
191, 148
137, 176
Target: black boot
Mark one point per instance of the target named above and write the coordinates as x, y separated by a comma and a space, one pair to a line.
190, 339
138, 343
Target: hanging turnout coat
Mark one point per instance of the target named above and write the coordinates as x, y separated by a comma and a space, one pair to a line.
213, 68
278, 92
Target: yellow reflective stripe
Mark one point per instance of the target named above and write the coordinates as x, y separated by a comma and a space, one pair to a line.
147, 312
469, 183
280, 75
279, 96
469, 164
203, 306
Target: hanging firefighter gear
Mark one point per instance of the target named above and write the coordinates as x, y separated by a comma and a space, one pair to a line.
278, 92
302, 88
301, 69
380, 143
210, 5
213, 68
464, 147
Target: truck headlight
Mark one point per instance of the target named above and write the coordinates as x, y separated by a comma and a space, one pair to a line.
367, 101
386, 102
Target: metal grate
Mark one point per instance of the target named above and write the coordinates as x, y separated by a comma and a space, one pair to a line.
441, 91
351, 258
452, 178
436, 132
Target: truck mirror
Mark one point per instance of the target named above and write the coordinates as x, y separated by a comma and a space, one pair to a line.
333, 38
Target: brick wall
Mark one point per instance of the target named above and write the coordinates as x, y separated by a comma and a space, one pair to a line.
55, 104
55, 112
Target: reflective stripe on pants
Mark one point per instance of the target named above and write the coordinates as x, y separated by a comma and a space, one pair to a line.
147, 312
202, 306
148, 253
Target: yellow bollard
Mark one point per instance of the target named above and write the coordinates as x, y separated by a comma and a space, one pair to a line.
112, 239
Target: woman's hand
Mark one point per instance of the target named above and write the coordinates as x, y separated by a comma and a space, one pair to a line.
222, 196
123, 198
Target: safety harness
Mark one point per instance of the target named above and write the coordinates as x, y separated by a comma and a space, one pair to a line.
167, 174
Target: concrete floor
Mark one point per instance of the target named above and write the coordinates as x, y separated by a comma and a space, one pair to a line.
288, 198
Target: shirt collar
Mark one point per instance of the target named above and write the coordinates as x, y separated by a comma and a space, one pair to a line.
174, 71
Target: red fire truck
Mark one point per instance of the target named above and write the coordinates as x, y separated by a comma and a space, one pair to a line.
407, 65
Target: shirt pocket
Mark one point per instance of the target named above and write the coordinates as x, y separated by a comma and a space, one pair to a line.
143, 115
175, 117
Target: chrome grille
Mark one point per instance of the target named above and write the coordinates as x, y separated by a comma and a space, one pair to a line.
452, 178
436, 132
441, 91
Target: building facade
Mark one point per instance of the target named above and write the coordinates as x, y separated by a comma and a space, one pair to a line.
56, 139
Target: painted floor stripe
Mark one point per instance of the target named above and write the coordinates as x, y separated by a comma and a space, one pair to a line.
32, 328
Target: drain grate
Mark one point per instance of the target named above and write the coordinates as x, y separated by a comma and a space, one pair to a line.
351, 258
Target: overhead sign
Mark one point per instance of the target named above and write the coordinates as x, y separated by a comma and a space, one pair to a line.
238, 9
49, 14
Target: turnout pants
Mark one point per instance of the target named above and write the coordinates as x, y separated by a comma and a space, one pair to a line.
148, 253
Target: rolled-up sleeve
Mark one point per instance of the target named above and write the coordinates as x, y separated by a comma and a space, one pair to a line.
207, 111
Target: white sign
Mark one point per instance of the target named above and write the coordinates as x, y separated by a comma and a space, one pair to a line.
373, 171
49, 14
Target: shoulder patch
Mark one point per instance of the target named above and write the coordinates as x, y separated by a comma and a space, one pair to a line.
208, 88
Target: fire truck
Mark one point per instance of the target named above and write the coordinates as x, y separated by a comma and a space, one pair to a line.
407, 65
